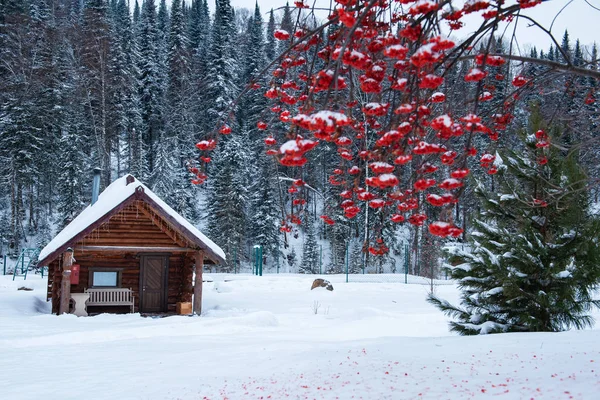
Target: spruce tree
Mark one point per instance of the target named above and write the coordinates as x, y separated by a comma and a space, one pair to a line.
162, 179
151, 82
194, 24
198, 26
565, 46
163, 26
271, 42
124, 74
136, 16
136, 155
227, 198
180, 127
162, 18
22, 108
310, 250
199, 42
356, 258
287, 24
264, 213
533, 261
222, 67
72, 197
97, 40
254, 102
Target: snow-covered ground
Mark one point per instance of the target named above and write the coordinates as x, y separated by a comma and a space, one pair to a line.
271, 337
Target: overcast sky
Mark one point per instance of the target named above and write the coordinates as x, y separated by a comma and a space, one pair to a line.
579, 18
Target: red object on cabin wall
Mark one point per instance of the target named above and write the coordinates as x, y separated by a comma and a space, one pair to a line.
75, 274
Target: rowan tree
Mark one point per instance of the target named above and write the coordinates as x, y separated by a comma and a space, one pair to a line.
372, 81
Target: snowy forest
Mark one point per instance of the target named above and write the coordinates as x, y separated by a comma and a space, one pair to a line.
131, 88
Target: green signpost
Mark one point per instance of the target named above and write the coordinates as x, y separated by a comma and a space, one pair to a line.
258, 260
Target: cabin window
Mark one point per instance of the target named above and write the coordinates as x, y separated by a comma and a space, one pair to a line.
102, 277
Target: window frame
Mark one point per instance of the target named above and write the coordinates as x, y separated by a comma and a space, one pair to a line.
91, 270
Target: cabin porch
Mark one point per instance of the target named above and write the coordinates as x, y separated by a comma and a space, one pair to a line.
158, 279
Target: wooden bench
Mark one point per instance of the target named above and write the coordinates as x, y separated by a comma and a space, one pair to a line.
110, 297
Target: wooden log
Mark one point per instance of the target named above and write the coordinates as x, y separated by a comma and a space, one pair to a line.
198, 282
65, 284
141, 249
132, 241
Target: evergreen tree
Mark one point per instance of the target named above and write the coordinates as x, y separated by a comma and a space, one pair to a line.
271, 43
163, 27
74, 167
495, 81
551, 53
221, 75
199, 43
180, 126
534, 261
253, 103
287, 24
163, 175
136, 16
565, 46
205, 27
264, 213
162, 21
227, 198
310, 251
127, 115
194, 24
72, 198
356, 258
228, 195
22, 107
97, 42
151, 89
198, 27
137, 155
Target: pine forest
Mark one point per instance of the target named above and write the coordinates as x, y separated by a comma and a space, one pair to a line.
144, 88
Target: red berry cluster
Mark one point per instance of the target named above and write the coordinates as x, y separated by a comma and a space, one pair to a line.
376, 94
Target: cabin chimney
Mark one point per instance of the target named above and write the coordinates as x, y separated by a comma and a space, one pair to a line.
96, 185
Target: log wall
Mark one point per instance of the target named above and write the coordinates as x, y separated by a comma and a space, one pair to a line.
131, 227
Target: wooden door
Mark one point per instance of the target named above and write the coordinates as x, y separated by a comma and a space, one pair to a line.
153, 283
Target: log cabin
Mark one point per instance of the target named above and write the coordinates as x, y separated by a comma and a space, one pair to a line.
130, 252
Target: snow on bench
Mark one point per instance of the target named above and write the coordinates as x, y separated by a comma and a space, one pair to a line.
110, 297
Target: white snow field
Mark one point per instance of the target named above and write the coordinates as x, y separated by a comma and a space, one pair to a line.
260, 338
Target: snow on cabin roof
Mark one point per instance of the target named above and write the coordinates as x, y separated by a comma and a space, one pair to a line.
115, 194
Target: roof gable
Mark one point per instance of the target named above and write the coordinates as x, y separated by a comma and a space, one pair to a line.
118, 195
136, 225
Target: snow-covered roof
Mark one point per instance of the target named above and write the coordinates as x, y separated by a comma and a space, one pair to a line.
111, 198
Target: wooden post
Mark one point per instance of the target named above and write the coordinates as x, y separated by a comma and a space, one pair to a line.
65, 284
187, 284
55, 266
198, 282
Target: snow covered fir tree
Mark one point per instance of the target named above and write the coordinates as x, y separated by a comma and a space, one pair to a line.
532, 260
